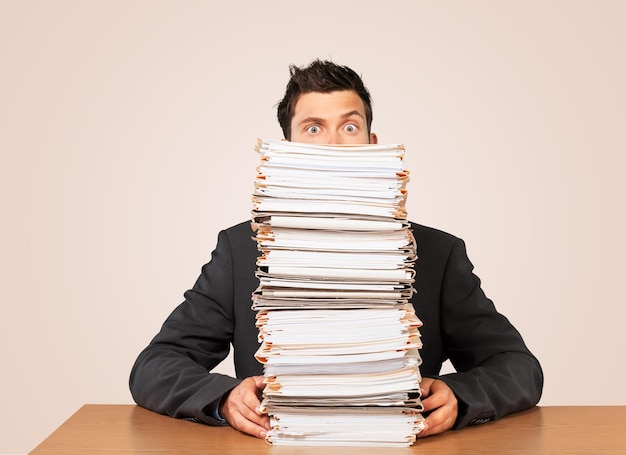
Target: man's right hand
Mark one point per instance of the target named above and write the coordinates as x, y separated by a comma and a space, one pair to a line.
241, 408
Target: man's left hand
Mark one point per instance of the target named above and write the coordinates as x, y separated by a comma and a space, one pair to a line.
438, 400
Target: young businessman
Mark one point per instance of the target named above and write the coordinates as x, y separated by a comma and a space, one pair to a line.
495, 373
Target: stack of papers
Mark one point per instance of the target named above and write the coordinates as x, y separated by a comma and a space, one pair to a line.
339, 340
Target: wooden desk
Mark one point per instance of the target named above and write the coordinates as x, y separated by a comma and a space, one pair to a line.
129, 429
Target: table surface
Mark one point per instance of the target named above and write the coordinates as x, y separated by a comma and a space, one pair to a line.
130, 429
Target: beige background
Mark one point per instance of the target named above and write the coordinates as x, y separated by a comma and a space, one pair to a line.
126, 137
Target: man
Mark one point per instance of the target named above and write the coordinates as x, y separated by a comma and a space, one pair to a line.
496, 374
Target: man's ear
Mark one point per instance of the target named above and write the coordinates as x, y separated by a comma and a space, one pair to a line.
373, 138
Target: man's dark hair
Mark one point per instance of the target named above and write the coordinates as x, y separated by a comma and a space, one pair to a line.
320, 76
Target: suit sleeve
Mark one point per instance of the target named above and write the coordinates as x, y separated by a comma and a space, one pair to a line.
172, 375
496, 373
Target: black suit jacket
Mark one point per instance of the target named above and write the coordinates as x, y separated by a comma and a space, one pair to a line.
496, 373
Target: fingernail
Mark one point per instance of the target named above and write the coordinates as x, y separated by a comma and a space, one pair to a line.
262, 434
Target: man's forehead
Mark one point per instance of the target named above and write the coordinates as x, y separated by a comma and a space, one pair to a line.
341, 102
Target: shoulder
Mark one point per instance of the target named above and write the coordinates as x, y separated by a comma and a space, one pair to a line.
422, 233
429, 240
241, 229
435, 237
239, 239
435, 248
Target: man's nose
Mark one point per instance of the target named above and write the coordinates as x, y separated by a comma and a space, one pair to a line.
333, 138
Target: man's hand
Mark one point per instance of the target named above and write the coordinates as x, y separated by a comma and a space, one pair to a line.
241, 408
439, 400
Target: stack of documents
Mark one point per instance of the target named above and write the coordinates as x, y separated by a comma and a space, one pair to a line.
339, 339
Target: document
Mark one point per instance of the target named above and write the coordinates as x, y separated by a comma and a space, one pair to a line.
339, 340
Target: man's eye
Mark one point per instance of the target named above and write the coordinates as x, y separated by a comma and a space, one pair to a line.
350, 128
313, 129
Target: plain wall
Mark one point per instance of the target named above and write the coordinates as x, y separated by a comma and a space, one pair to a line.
127, 131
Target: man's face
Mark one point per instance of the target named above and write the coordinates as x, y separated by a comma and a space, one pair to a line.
330, 118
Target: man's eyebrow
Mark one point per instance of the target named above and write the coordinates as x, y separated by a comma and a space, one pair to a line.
311, 120
351, 113
322, 120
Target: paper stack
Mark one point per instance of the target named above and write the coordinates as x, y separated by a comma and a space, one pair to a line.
339, 340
